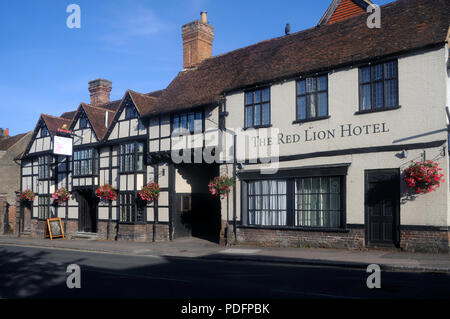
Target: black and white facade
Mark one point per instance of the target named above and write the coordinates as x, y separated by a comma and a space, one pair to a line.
317, 149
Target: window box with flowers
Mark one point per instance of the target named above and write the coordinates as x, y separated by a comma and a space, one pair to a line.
106, 193
423, 177
61, 195
27, 195
149, 192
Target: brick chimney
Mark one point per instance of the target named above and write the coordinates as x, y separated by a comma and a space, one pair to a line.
197, 37
100, 90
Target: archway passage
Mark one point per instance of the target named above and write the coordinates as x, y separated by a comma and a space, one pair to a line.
197, 212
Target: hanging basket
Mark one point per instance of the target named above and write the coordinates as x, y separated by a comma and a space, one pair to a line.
27, 195
149, 192
423, 177
221, 186
106, 193
61, 195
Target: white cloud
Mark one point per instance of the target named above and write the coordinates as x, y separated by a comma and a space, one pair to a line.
135, 23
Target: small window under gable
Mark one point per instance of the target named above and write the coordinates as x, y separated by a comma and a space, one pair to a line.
44, 131
130, 112
84, 122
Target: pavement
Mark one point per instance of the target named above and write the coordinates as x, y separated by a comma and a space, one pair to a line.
198, 248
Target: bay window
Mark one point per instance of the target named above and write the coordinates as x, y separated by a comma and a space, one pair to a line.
85, 162
131, 157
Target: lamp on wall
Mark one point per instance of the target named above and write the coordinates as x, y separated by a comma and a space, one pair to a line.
404, 154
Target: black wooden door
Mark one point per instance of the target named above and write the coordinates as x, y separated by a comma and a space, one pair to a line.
382, 207
87, 212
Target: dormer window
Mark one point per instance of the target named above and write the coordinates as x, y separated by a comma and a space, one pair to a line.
130, 112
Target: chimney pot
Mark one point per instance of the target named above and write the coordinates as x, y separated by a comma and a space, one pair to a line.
100, 90
204, 17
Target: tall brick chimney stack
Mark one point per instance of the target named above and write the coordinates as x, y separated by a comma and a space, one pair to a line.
197, 37
100, 90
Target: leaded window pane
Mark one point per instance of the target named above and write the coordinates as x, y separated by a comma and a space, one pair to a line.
257, 108
379, 86
312, 98
318, 202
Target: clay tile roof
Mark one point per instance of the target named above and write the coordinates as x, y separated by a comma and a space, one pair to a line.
7, 142
406, 25
96, 115
53, 123
68, 115
144, 103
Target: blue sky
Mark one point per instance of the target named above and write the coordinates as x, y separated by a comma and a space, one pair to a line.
45, 66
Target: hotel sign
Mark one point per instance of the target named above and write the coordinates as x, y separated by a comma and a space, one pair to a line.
311, 135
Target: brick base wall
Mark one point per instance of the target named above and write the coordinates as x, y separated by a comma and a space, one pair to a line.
425, 241
124, 232
411, 240
354, 239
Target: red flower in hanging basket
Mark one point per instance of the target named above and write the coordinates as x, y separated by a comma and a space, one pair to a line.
221, 186
106, 192
149, 192
61, 195
423, 177
27, 195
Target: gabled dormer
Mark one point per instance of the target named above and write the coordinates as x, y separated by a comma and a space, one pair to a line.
83, 128
47, 126
127, 121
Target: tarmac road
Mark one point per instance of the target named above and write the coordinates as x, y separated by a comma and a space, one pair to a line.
31, 272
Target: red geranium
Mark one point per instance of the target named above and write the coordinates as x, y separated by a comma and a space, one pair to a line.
27, 195
61, 195
423, 177
106, 192
221, 186
149, 192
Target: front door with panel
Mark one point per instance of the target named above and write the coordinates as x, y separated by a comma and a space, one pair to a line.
382, 207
